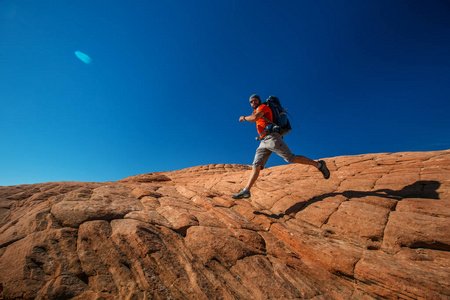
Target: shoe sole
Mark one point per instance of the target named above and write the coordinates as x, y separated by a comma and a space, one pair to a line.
240, 197
324, 165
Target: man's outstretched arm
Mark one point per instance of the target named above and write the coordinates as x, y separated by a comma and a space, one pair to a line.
252, 118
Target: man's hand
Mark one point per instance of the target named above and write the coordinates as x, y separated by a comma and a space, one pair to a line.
241, 119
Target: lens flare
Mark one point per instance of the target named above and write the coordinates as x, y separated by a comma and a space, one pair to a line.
83, 57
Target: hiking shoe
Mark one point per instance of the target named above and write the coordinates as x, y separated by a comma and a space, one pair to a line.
241, 194
323, 168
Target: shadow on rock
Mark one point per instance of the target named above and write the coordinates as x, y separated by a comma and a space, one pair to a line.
419, 189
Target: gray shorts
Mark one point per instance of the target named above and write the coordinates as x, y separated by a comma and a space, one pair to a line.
272, 143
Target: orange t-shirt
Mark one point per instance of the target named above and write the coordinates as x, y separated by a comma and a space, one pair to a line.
261, 123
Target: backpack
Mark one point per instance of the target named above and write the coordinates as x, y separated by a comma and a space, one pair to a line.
280, 122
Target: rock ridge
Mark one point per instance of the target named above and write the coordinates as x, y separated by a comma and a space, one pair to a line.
377, 229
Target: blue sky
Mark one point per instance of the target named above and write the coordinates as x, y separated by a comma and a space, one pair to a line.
169, 79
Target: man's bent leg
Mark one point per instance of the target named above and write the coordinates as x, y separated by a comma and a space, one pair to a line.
320, 165
283, 150
305, 161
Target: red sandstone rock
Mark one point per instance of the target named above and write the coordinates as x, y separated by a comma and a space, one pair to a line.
377, 229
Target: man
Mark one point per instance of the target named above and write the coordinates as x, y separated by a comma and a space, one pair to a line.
271, 142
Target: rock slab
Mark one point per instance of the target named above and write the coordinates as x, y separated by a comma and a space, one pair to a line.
377, 229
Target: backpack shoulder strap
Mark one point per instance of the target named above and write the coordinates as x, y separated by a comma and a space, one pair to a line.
263, 117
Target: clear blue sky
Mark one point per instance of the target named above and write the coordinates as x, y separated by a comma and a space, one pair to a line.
169, 79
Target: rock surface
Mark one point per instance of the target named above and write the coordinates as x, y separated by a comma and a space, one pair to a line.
377, 229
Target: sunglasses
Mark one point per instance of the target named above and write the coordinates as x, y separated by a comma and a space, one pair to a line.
254, 100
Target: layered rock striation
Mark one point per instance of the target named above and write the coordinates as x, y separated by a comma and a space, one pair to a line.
377, 229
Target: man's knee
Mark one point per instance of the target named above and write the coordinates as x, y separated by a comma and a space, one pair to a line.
257, 167
290, 159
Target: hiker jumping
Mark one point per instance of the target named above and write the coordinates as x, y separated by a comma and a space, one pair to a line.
271, 142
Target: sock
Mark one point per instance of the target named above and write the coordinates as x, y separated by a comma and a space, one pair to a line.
246, 190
